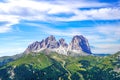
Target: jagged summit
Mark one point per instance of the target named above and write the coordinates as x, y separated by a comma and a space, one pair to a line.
63, 43
51, 43
79, 45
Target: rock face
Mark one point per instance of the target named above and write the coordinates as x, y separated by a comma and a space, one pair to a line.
63, 43
79, 45
51, 42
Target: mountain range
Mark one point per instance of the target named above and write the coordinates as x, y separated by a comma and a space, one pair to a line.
78, 46
50, 59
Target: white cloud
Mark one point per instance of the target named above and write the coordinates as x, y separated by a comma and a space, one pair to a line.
111, 32
14, 11
99, 34
69, 32
4, 29
109, 29
106, 48
105, 13
10, 20
10, 51
94, 14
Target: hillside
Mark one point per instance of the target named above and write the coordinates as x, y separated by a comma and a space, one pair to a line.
39, 66
6, 59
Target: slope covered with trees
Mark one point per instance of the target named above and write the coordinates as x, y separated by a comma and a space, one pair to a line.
39, 66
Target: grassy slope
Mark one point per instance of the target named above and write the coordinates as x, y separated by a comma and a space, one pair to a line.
56, 66
38, 61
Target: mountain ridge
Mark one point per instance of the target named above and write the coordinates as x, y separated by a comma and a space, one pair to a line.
78, 46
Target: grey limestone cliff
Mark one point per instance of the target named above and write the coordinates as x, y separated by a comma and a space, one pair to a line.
79, 45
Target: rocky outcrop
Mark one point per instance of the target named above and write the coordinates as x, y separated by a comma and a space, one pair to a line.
63, 43
51, 42
33, 47
78, 45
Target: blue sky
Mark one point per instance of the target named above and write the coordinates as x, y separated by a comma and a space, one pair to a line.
25, 21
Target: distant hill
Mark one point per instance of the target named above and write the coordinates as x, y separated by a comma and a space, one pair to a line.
102, 54
6, 59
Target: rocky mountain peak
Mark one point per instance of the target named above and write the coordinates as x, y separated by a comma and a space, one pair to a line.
51, 38
51, 42
63, 43
78, 38
32, 47
78, 44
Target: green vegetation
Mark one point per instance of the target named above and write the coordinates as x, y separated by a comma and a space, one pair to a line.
38, 61
39, 66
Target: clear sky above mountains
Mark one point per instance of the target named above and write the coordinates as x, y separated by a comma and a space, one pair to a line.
25, 21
